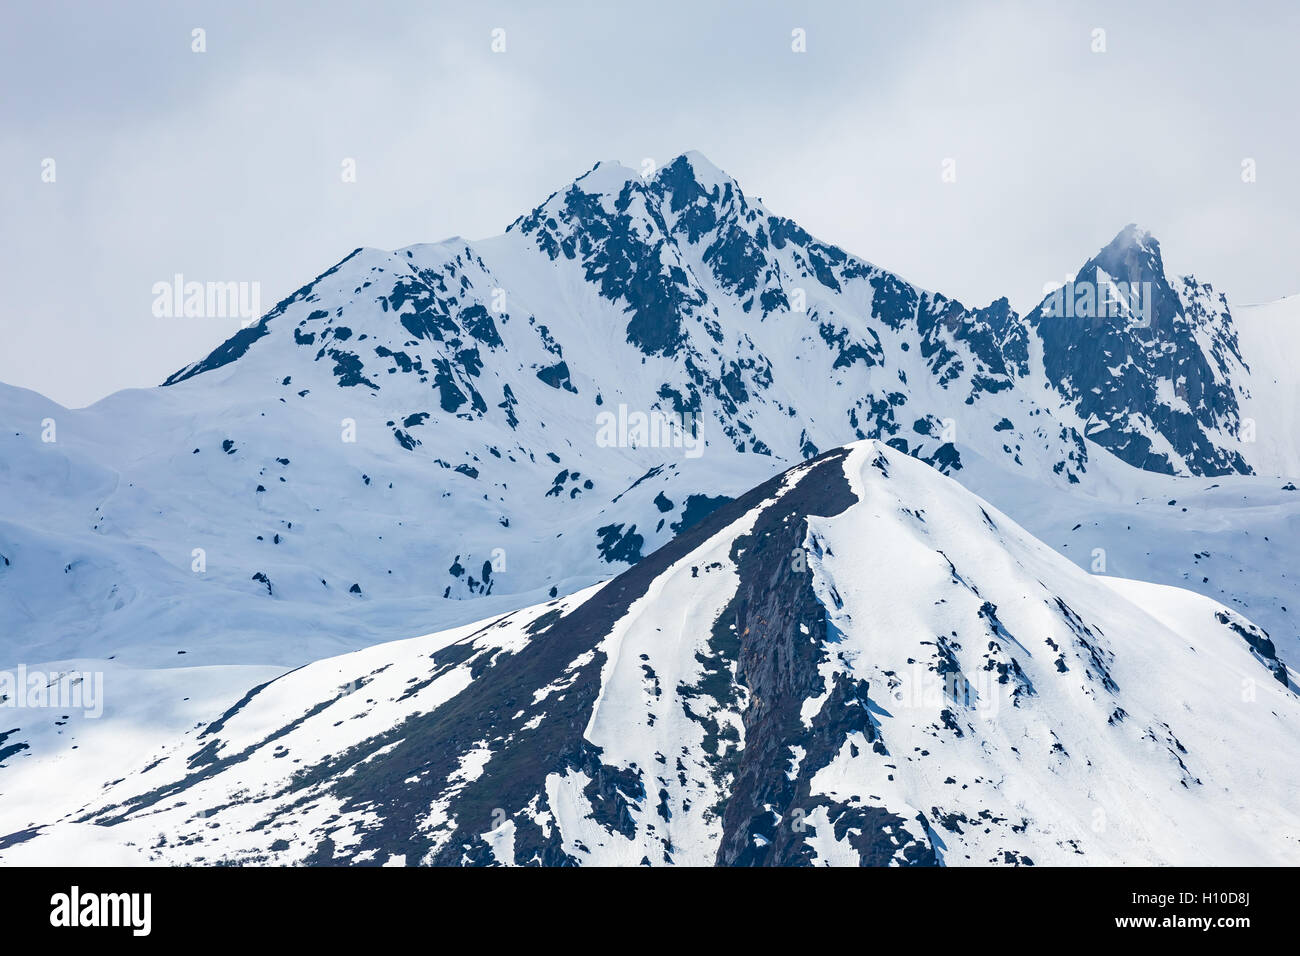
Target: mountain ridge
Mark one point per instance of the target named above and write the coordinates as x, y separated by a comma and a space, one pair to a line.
626, 218
857, 662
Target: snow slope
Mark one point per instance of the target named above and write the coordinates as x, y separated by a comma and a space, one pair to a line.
1233, 538
1270, 341
856, 662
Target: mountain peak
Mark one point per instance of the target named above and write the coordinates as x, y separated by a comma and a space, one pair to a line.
1132, 256
607, 176
1133, 237
684, 180
706, 173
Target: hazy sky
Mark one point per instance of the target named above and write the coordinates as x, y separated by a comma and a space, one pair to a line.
225, 165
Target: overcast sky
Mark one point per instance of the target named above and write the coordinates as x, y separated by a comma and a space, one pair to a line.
225, 165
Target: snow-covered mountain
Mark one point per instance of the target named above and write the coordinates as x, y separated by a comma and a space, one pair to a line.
501, 421
857, 662
423, 439
1150, 362
1269, 335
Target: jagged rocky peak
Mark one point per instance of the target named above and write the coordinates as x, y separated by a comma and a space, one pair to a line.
1132, 241
683, 181
688, 202
707, 174
1112, 286
615, 211
1126, 284
1149, 361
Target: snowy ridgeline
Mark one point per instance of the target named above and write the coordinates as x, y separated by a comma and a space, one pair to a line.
857, 662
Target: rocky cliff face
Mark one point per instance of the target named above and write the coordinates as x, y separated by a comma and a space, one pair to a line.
1150, 362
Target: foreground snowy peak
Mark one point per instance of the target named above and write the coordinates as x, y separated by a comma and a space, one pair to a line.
857, 662
1149, 362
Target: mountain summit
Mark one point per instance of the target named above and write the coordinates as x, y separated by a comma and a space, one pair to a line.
1150, 362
